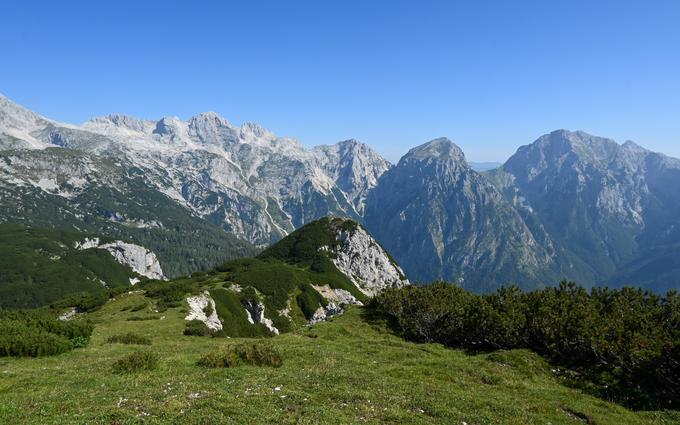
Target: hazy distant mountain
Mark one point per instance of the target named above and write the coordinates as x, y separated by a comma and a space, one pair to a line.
612, 211
442, 220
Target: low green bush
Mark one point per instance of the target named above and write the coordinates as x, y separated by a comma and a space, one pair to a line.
34, 333
625, 342
79, 342
196, 328
309, 300
170, 294
138, 307
83, 302
128, 338
257, 354
135, 362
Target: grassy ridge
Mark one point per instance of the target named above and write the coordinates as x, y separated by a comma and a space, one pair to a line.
350, 370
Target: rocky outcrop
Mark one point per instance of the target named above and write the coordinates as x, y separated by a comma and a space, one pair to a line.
324, 313
338, 296
255, 314
359, 257
140, 259
198, 305
337, 299
88, 243
70, 314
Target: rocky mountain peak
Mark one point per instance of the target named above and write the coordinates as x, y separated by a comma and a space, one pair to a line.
441, 149
251, 130
210, 127
15, 115
348, 246
209, 119
119, 120
631, 146
585, 146
168, 126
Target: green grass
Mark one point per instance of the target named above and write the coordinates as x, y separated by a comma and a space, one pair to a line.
346, 371
128, 338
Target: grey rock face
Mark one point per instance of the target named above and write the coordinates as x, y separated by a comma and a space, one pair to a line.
140, 259
197, 306
324, 313
354, 167
340, 297
442, 220
604, 207
255, 314
366, 263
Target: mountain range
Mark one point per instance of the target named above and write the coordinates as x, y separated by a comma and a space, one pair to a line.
197, 192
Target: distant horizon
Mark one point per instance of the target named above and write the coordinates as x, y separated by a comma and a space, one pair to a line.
489, 75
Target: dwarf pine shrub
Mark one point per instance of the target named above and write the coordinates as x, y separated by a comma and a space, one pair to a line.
34, 333
625, 341
196, 328
128, 338
135, 362
257, 354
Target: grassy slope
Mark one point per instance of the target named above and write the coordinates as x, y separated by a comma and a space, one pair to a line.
39, 266
353, 371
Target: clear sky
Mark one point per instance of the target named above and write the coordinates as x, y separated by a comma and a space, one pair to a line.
490, 75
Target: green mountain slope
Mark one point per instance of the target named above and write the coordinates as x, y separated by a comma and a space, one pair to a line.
38, 266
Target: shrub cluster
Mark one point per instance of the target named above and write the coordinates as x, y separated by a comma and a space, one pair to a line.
309, 300
625, 341
257, 354
85, 301
169, 294
135, 362
196, 328
33, 333
128, 338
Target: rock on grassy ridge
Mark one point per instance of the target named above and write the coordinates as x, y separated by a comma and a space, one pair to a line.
365, 262
307, 277
39, 266
140, 259
349, 247
202, 308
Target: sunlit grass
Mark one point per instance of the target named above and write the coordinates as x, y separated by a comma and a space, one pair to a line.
346, 371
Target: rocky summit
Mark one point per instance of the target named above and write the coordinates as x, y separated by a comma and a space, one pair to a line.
443, 220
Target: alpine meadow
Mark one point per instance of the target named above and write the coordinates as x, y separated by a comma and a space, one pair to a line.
345, 263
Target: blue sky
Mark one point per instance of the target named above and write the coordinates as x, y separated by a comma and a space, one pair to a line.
490, 75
